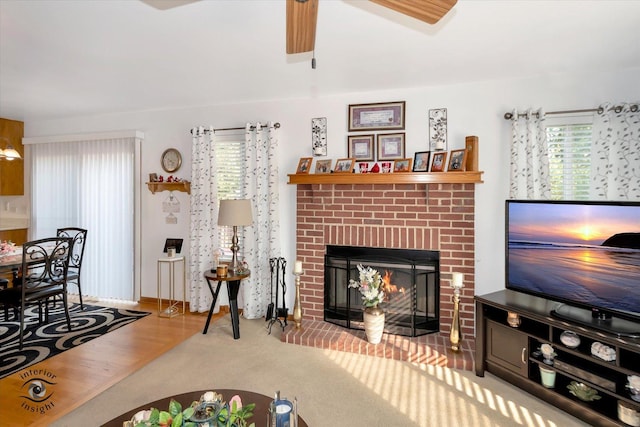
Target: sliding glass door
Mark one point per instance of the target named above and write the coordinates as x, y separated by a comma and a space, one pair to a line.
89, 184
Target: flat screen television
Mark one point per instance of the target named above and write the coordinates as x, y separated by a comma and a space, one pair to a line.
584, 255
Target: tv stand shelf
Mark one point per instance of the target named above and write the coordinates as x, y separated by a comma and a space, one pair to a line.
512, 353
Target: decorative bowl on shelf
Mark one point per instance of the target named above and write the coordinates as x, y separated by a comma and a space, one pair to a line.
570, 339
583, 391
604, 352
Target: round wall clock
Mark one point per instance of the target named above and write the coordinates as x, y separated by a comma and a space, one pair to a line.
171, 160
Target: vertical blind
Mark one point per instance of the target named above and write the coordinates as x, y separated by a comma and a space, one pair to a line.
89, 184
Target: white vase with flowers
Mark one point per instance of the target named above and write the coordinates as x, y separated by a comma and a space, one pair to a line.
370, 285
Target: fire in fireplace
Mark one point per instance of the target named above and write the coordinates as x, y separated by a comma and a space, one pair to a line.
411, 282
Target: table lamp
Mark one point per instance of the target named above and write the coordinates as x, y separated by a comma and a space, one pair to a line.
235, 213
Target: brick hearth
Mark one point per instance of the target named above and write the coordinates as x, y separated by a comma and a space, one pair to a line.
411, 216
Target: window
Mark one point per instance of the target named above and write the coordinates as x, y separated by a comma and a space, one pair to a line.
569, 145
230, 174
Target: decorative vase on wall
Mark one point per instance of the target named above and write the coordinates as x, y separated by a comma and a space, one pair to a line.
373, 324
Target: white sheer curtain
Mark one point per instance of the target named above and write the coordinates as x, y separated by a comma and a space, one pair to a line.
261, 241
529, 157
204, 217
89, 184
615, 153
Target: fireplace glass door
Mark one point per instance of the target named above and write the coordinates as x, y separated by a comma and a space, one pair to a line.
412, 282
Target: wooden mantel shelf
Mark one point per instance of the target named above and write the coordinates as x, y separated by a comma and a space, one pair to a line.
184, 186
389, 178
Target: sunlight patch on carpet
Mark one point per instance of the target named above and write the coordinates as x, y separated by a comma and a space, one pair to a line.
450, 390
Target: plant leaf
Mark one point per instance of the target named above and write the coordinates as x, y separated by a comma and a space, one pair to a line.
188, 413
164, 418
177, 421
174, 407
154, 418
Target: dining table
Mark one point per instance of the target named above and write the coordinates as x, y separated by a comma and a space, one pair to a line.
11, 260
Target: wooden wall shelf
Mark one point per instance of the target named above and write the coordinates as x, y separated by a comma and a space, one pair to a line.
184, 186
389, 178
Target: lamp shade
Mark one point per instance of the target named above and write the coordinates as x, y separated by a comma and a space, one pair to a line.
235, 212
9, 152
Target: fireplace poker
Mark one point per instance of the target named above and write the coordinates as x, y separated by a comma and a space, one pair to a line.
283, 311
269, 315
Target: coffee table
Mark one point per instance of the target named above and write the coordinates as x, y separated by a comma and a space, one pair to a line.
259, 413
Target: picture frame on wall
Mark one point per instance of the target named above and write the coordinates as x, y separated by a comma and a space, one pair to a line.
391, 146
319, 136
457, 160
421, 161
438, 161
402, 165
438, 129
344, 166
377, 116
304, 165
360, 147
323, 166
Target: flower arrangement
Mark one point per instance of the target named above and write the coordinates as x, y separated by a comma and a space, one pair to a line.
210, 410
6, 247
370, 286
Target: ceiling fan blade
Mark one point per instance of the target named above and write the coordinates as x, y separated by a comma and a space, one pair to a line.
302, 17
429, 11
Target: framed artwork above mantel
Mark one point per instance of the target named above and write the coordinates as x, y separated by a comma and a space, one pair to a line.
377, 116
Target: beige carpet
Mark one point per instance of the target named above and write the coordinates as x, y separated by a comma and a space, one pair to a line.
333, 388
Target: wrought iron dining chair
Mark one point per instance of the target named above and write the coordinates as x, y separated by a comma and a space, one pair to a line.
44, 278
4, 284
79, 236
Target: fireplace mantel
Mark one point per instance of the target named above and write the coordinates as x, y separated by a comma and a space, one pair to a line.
474, 177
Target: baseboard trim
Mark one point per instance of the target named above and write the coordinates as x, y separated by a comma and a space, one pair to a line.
148, 300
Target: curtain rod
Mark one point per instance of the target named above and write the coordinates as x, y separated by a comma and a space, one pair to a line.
275, 125
599, 110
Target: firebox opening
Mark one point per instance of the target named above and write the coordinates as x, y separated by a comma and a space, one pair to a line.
412, 283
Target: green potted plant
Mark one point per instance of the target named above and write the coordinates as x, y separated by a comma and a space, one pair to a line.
210, 411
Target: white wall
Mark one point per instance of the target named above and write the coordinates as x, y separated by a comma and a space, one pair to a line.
473, 109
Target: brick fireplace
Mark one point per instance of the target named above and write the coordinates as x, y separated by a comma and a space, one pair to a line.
438, 217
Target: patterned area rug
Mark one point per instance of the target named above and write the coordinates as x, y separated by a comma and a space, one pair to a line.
48, 339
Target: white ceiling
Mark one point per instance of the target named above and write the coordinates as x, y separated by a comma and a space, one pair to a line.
77, 57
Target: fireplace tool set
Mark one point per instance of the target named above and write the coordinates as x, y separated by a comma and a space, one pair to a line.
275, 314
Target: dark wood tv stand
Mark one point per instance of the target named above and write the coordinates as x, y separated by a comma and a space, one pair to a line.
510, 353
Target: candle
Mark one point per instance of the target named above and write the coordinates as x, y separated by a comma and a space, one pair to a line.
456, 280
297, 269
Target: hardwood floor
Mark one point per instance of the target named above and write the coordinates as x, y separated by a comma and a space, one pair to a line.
85, 371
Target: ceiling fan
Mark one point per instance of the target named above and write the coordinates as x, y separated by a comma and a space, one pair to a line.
302, 16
